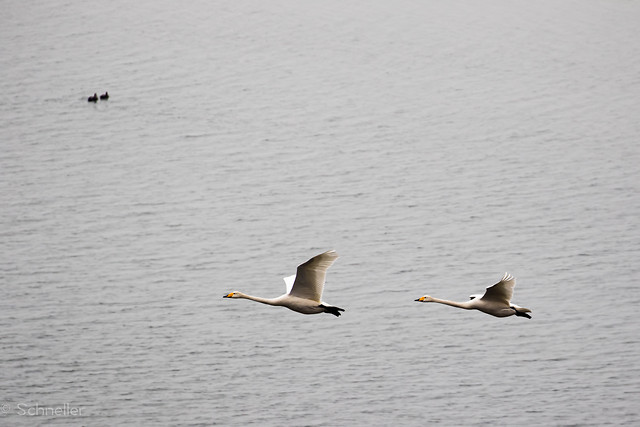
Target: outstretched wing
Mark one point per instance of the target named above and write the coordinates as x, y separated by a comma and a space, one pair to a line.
310, 276
502, 291
288, 281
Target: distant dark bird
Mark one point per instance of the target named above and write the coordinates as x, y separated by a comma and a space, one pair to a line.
93, 98
105, 96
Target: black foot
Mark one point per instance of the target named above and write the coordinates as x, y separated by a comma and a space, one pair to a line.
333, 310
523, 314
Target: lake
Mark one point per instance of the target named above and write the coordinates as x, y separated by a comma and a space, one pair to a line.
433, 145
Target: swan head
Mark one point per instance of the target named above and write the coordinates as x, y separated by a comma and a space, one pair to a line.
233, 295
425, 298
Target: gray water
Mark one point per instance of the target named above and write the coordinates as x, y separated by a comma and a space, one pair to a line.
435, 145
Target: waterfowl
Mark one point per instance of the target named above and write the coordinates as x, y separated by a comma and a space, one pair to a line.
304, 289
496, 300
93, 98
104, 96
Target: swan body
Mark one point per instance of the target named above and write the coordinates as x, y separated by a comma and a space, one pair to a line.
304, 289
496, 300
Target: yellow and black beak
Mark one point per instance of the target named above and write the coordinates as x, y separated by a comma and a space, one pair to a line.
229, 295
421, 299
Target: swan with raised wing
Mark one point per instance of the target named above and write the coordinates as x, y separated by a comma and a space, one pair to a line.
304, 289
496, 300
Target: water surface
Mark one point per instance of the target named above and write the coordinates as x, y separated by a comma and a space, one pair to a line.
433, 145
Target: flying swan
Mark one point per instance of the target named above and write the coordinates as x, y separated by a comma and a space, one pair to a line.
304, 289
496, 300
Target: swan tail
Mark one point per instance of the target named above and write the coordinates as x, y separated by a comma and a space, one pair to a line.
332, 310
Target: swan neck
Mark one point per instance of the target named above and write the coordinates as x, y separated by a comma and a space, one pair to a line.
464, 305
270, 301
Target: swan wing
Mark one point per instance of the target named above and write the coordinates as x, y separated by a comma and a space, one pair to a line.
288, 281
309, 279
502, 291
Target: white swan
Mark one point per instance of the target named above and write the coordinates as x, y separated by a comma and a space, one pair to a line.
304, 289
496, 300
